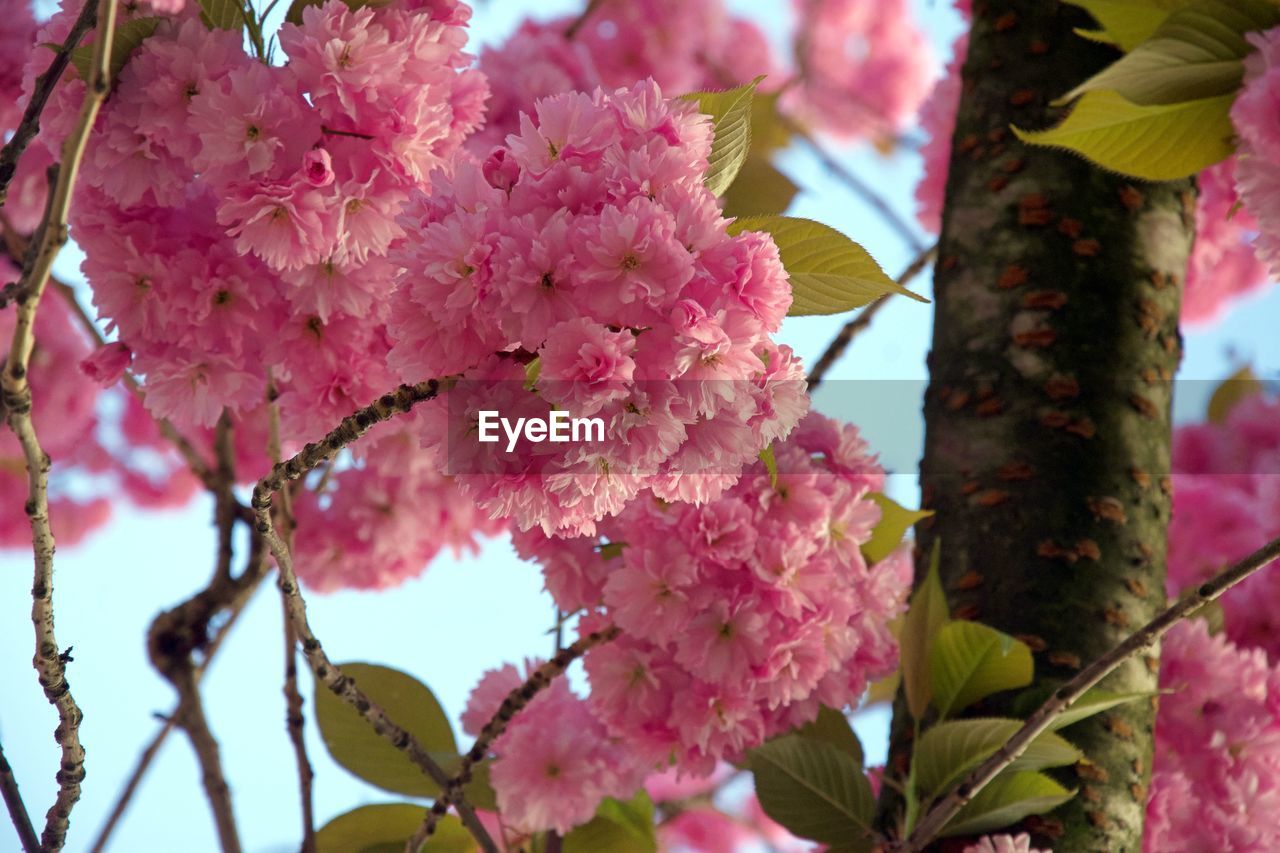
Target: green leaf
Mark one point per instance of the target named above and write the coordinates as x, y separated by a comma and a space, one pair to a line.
618, 827
832, 726
970, 661
769, 130
829, 272
1126, 23
771, 465
894, 521
1197, 52
294, 15
532, 371
925, 617
1155, 143
222, 14
760, 189
949, 750
1005, 800
1094, 701
731, 122
1238, 386
359, 749
129, 36
386, 828
813, 789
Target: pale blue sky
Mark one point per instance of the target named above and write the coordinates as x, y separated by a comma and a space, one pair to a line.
460, 618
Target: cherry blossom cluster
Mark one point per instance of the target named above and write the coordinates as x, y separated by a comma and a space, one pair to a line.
864, 68
1226, 502
739, 617
1254, 117
236, 216
588, 253
683, 47
1223, 265
1004, 843
1216, 777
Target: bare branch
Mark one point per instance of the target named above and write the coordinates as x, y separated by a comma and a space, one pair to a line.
16, 400
44, 86
946, 808
858, 186
845, 336
351, 428
539, 680
190, 716
17, 811
572, 30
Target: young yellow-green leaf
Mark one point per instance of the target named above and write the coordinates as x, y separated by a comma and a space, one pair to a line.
829, 272
1237, 387
1155, 143
222, 14
359, 749
386, 828
1127, 23
813, 789
833, 727
532, 371
771, 465
129, 37
1094, 701
1005, 800
970, 661
926, 616
618, 827
884, 689
949, 750
1197, 52
760, 189
769, 130
730, 114
894, 521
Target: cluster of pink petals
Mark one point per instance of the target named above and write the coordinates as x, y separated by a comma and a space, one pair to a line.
682, 46
555, 762
236, 216
740, 617
1226, 504
378, 522
1003, 844
938, 122
590, 243
1258, 168
1216, 777
864, 68
236, 219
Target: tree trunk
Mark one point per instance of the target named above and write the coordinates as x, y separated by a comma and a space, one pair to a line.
1047, 413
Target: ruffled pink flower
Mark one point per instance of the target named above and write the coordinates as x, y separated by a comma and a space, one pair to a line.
1006, 843
107, 364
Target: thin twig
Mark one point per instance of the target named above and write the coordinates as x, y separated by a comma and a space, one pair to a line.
252, 577
572, 30
539, 680
45, 84
936, 818
17, 811
16, 401
845, 336
351, 428
190, 716
295, 720
859, 187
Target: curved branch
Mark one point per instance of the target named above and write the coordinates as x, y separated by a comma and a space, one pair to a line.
17, 810
946, 808
539, 680
351, 428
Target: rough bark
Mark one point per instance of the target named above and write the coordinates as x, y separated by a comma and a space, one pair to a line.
1047, 413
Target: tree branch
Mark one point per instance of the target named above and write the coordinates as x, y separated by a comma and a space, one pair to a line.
859, 187
15, 395
572, 30
17, 811
539, 680
44, 86
248, 584
190, 715
946, 808
845, 336
351, 428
